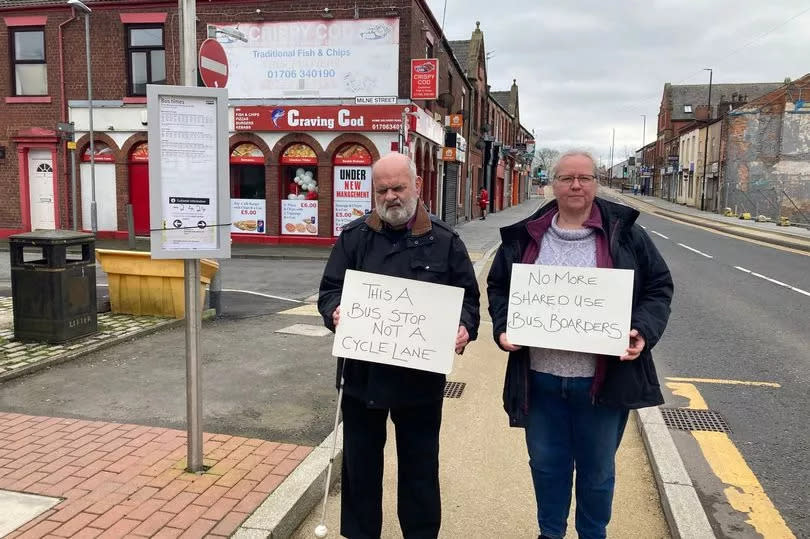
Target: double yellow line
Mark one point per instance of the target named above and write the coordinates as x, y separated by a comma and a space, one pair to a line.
743, 491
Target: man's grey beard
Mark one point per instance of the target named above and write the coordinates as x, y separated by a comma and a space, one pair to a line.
398, 215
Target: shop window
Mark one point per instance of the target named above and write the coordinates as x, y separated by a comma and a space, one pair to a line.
146, 58
351, 184
28, 56
248, 200
299, 190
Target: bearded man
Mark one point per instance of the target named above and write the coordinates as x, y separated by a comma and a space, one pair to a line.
400, 239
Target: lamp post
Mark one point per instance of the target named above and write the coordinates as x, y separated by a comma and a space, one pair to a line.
706, 143
78, 5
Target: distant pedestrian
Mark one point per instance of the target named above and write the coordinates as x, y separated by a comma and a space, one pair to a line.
401, 239
573, 405
483, 202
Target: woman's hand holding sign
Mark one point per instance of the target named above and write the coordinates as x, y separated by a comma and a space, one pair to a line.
506, 345
637, 344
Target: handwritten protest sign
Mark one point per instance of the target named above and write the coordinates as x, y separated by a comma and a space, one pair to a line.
565, 308
398, 321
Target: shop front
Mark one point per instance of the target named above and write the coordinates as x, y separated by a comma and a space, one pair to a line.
454, 157
316, 176
499, 184
427, 141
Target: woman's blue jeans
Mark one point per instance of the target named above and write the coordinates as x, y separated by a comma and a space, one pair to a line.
566, 431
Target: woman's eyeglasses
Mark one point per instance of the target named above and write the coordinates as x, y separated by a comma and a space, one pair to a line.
585, 179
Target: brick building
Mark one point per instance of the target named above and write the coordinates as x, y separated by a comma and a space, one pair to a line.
281, 129
681, 106
471, 54
767, 161
505, 121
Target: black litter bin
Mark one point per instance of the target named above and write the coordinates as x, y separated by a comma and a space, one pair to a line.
53, 285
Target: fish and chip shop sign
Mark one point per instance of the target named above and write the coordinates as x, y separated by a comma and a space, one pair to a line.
318, 58
397, 321
318, 118
566, 308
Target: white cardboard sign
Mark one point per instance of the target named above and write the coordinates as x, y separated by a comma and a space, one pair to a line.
569, 308
397, 321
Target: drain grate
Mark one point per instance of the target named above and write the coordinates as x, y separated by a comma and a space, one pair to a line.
453, 390
688, 419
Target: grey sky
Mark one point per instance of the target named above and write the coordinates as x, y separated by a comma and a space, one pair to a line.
586, 66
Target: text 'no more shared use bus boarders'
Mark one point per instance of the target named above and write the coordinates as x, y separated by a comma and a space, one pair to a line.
569, 308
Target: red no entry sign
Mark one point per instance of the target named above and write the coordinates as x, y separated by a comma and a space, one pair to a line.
213, 64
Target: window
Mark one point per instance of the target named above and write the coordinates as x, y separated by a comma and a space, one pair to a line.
687, 109
30, 68
146, 58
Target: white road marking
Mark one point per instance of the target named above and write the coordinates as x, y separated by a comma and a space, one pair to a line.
774, 281
252, 293
644, 227
659, 234
695, 250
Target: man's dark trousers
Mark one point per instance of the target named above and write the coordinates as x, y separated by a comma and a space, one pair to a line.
418, 497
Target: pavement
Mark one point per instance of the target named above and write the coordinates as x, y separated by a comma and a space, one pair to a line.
106, 458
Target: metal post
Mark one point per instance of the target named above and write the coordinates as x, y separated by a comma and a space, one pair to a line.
74, 209
193, 378
130, 228
191, 268
93, 213
643, 135
612, 144
706, 144
403, 131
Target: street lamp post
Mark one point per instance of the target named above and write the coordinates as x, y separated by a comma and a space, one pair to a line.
706, 143
78, 5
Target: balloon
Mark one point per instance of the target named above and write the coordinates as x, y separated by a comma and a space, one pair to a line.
309, 173
291, 196
299, 172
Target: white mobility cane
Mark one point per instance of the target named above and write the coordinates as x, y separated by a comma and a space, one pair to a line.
321, 530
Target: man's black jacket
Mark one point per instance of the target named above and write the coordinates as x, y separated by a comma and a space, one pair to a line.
430, 251
627, 384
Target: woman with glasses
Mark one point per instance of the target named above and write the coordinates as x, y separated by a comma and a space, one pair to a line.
574, 405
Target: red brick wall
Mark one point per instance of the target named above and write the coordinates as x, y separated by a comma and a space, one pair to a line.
110, 80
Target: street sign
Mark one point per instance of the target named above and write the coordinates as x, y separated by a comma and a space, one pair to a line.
213, 64
375, 100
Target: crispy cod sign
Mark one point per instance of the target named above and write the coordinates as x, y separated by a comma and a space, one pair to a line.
398, 321
565, 308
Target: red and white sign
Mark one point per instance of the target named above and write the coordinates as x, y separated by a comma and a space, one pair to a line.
352, 195
213, 64
425, 78
318, 118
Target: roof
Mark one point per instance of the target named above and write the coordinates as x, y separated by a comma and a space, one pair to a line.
461, 50
787, 92
698, 94
502, 98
